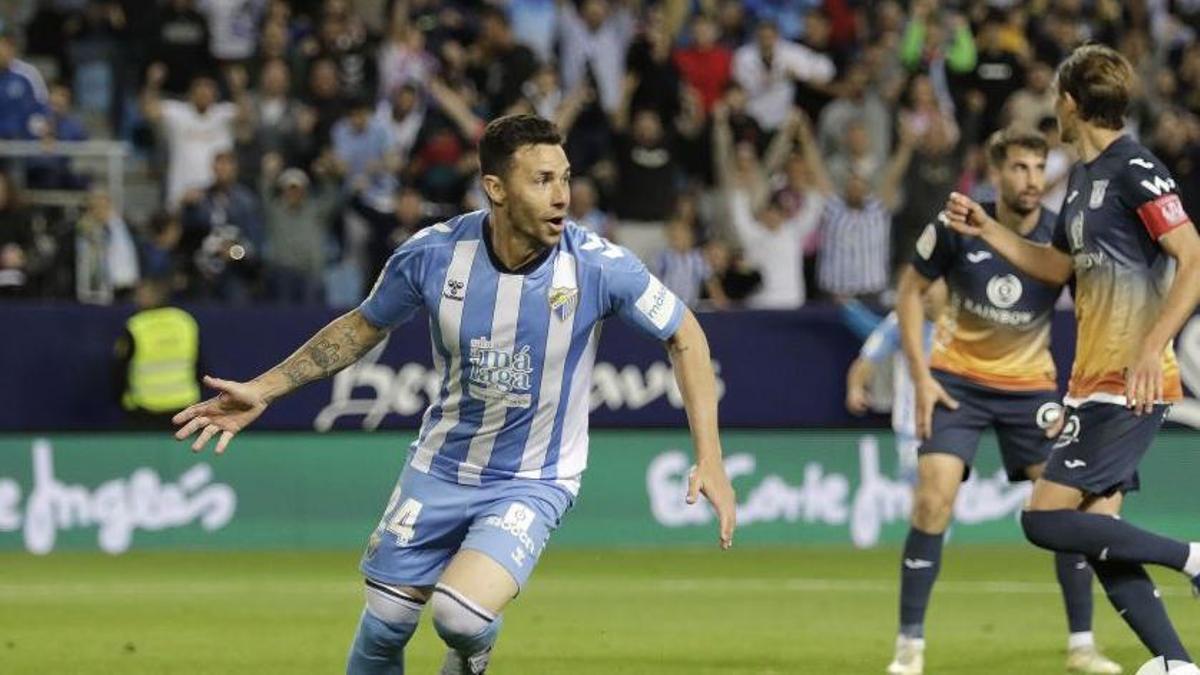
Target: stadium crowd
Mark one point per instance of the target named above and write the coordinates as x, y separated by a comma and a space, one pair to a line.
762, 154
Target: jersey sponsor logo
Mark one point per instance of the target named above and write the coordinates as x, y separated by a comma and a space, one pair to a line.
1138, 161
517, 521
1071, 197
1086, 261
1004, 290
1048, 414
1007, 317
502, 375
1099, 187
657, 303
1159, 186
563, 301
1075, 232
928, 239
455, 290
1074, 463
978, 256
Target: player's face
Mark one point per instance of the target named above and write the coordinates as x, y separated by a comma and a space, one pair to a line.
1022, 179
537, 192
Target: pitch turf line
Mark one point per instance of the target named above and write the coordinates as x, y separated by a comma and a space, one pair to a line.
716, 585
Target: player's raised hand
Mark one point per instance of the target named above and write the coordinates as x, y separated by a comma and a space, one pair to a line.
929, 394
964, 215
235, 406
1144, 382
710, 480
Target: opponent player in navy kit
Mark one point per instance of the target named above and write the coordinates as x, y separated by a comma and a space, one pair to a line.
990, 367
1135, 255
515, 296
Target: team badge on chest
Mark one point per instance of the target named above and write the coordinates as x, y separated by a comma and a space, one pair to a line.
1098, 189
563, 301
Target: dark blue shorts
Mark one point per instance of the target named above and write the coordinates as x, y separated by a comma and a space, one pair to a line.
1100, 446
1020, 419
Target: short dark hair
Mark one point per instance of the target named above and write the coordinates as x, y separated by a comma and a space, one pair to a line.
503, 136
999, 143
1100, 80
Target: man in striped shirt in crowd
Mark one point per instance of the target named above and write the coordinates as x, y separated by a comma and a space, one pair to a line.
856, 222
515, 295
683, 268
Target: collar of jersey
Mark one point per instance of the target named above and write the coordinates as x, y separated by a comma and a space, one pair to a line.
1119, 141
524, 270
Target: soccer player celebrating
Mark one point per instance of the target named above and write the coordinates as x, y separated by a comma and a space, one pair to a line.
515, 295
1136, 260
990, 367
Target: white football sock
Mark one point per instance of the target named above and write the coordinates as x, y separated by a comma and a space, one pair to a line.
1081, 639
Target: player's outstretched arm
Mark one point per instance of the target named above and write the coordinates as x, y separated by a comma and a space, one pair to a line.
1040, 261
1144, 377
340, 343
694, 372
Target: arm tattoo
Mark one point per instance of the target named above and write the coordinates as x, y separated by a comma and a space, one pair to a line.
333, 347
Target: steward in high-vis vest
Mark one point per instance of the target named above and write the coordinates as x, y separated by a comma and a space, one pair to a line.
159, 357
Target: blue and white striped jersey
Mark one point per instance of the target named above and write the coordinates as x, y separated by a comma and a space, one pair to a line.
514, 350
885, 343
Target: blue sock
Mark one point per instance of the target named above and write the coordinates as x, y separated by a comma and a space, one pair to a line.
1102, 537
1133, 595
378, 647
387, 624
918, 571
1075, 580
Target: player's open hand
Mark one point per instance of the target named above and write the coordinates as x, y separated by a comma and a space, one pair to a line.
236, 405
1144, 382
710, 480
858, 401
964, 215
929, 394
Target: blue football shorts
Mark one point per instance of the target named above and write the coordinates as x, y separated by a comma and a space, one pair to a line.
429, 519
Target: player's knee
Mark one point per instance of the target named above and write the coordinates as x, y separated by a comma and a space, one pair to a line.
931, 511
387, 624
463, 625
1038, 527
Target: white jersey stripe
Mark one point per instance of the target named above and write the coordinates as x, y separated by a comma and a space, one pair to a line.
558, 343
573, 441
449, 318
503, 340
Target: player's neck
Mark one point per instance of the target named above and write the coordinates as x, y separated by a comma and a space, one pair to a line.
1021, 224
1092, 141
512, 250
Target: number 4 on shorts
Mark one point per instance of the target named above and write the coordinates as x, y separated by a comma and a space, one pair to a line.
404, 520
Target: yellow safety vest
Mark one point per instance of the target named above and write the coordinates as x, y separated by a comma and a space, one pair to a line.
162, 372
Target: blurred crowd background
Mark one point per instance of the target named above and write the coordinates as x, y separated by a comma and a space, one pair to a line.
763, 154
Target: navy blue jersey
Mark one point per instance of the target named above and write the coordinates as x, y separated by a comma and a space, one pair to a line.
996, 328
1117, 206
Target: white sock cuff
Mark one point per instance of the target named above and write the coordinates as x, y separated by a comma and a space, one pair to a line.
1081, 639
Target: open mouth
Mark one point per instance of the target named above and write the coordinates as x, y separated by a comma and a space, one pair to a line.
558, 222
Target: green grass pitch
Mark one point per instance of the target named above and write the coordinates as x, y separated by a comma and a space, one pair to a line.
797, 610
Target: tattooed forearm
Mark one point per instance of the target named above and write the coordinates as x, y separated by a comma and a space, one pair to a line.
334, 347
